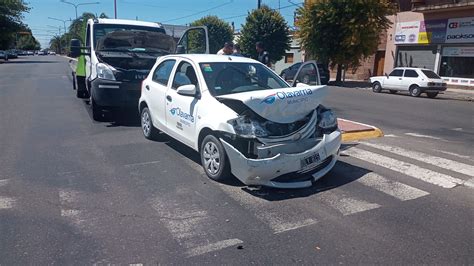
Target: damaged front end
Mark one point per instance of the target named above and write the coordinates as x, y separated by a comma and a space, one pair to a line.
283, 155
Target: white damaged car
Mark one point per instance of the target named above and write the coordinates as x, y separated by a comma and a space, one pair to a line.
242, 118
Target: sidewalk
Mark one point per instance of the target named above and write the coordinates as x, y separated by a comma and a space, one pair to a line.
466, 94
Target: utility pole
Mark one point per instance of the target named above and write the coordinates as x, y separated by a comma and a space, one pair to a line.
62, 20
259, 3
115, 8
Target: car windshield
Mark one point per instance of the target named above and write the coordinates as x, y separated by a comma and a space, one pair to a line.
430, 74
228, 77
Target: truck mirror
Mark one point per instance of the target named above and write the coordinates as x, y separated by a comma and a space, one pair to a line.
180, 49
75, 48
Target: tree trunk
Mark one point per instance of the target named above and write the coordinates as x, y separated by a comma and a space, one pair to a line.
339, 74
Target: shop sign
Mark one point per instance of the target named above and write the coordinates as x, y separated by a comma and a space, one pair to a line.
407, 32
432, 31
458, 51
460, 30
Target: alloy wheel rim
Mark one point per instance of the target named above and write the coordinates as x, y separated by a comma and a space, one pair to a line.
146, 123
211, 156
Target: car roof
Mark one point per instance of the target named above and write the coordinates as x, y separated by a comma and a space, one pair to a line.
128, 22
413, 68
212, 58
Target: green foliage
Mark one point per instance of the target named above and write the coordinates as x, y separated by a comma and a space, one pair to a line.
268, 26
10, 21
342, 32
219, 32
27, 42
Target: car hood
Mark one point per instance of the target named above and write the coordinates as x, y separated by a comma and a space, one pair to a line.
131, 39
284, 105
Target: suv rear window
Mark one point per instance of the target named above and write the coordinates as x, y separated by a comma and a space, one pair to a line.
430, 74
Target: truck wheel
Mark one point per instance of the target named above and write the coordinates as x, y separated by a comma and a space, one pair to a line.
214, 159
96, 110
376, 87
148, 129
415, 91
432, 94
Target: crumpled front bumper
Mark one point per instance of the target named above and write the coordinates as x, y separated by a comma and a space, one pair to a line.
262, 172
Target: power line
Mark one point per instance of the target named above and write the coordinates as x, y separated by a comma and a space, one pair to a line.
200, 12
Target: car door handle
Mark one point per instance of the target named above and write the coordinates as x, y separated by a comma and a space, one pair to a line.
147, 87
169, 98
400, 78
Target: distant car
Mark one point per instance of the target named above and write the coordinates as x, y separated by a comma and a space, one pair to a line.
52, 53
12, 54
290, 72
3, 56
414, 80
42, 53
30, 53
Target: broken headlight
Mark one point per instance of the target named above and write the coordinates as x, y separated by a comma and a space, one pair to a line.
105, 72
327, 121
247, 128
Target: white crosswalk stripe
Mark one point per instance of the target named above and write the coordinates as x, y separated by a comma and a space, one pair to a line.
409, 169
396, 189
6, 202
188, 224
345, 204
426, 158
268, 213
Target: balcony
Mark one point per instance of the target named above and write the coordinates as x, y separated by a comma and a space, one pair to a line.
430, 6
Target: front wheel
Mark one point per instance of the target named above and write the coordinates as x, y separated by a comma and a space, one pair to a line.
214, 159
432, 94
96, 110
415, 91
376, 87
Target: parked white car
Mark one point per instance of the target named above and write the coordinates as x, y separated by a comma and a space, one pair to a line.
242, 118
414, 80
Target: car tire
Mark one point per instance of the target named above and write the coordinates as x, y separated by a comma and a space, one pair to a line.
148, 129
214, 159
393, 91
432, 94
415, 90
376, 87
283, 76
96, 110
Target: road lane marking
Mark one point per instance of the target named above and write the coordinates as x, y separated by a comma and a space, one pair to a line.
426, 158
141, 164
213, 247
395, 189
456, 155
189, 226
408, 169
345, 204
422, 136
262, 209
6, 203
4, 182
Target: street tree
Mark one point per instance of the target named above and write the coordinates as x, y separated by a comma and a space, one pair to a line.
219, 32
342, 32
27, 42
11, 15
268, 26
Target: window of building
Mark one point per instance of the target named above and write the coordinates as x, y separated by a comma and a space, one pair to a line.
416, 56
289, 58
457, 62
410, 73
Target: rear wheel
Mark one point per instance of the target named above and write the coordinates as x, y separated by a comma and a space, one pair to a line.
432, 94
376, 87
214, 159
148, 129
415, 91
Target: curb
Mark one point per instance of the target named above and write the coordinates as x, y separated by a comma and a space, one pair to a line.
366, 132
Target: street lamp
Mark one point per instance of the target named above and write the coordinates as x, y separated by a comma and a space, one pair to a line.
56, 27
80, 4
64, 22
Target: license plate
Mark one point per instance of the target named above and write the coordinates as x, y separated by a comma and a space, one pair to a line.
310, 160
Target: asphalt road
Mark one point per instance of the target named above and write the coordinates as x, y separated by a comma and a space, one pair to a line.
74, 191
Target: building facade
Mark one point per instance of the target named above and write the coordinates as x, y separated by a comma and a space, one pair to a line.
438, 35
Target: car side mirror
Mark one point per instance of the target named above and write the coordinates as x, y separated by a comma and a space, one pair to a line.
75, 48
180, 49
187, 90
386, 75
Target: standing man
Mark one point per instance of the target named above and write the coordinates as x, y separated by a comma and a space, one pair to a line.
228, 49
263, 56
237, 51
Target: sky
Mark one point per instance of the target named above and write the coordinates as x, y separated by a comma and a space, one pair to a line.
179, 12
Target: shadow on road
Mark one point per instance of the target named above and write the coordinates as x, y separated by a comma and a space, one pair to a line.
32, 62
